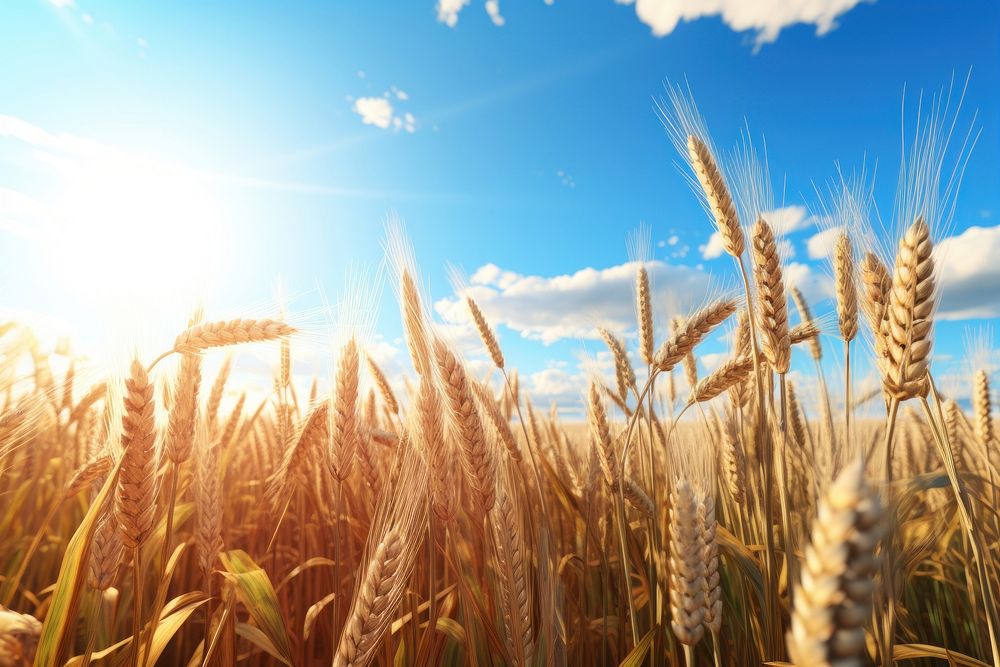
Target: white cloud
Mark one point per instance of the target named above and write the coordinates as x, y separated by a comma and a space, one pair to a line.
493, 9
565, 178
549, 308
141, 42
783, 221
785, 249
816, 286
447, 11
673, 240
821, 245
766, 18
378, 111
714, 248
62, 3
970, 274
788, 219
375, 111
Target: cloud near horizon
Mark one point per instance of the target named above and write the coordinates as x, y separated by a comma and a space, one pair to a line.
550, 308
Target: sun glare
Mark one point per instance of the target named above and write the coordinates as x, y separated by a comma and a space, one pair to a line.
136, 243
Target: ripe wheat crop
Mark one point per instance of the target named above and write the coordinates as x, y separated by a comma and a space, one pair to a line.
164, 516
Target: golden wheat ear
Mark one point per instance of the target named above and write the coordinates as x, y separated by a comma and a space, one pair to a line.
218, 334
833, 600
772, 307
687, 565
720, 202
692, 332
909, 316
135, 498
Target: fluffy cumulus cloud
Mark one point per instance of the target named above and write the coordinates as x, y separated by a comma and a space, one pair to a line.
378, 111
764, 18
375, 111
784, 221
821, 245
447, 11
815, 285
970, 274
549, 308
493, 9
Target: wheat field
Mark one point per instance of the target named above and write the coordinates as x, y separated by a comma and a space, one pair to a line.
728, 518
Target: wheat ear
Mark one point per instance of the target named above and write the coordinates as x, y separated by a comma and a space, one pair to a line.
135, 497
805, 314
384, 388
208, 500
687, 566
982, 410
730, 373
501, 425
771, 303
644, 314
344, 431
719, 200
910, 315
180, 429
833, 601
413, 323
479, 460
733, 460
624, 373
600, 435
218, 334
378, 595
431, 432
847, 295
485, 333
877, 282
710, 558
695, 328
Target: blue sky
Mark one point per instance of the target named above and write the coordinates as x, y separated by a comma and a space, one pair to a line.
230, 139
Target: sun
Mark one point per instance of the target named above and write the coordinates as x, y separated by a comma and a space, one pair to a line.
133, 241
